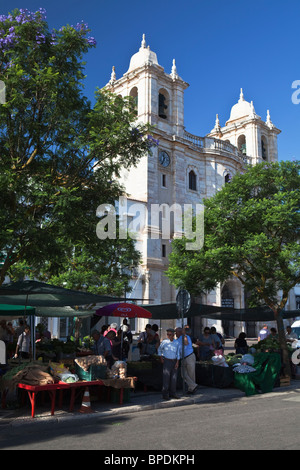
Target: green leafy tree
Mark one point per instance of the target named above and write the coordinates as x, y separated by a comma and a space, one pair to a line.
251, 232
59, 155
101, 268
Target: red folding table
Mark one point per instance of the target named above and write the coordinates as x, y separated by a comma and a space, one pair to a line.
33, 390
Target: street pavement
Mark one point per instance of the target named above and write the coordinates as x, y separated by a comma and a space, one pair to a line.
19, 420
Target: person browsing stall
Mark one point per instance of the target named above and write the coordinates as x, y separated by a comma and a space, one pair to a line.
142, 339
218, 338
290, 335
23, 344
102, 347
207, 345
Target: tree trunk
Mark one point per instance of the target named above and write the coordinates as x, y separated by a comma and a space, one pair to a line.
283, 344
78, 324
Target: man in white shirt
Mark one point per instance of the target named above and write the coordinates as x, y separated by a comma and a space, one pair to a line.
290, 336
264, 333
169, 355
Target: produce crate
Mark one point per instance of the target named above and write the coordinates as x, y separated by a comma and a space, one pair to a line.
285, 381
93, 373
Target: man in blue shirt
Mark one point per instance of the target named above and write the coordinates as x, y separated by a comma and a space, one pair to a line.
189, 363
169, 355
264, 333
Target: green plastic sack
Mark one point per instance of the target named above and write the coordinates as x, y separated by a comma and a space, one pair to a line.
267, 367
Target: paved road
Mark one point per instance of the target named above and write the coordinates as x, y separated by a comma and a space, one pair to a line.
269, 421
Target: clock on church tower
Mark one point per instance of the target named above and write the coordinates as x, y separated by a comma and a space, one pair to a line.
164, 158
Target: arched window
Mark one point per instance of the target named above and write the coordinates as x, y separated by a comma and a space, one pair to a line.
192, 181
264, 148
227, 178
241, 144
163, 104
134, 95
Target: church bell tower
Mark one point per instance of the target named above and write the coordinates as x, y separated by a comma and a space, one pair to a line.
246, 130
159, 96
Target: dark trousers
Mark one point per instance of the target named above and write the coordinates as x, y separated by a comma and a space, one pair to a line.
24, 355
169, 377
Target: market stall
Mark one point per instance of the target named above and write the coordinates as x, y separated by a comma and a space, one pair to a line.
150, 374
36, 377
212, 375
258, 372
267, 365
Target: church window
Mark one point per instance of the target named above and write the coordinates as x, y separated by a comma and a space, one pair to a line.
242, 144
163, 251
134, 95
164, 181
227, 178
264, 148
163, 104
192, 181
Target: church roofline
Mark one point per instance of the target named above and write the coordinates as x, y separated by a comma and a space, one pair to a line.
160, 71
141, 60
241, 123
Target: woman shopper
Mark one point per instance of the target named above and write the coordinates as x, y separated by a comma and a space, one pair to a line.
23, 344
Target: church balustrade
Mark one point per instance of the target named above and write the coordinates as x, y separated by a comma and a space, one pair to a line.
195, 140
202, 143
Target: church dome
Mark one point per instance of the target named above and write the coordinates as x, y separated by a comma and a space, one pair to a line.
241, 109
142, 57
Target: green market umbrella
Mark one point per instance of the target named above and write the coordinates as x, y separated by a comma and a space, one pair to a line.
11, 312
40, 294
48, 300
168, 310
15, 310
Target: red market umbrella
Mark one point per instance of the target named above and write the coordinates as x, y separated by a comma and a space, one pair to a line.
123, 309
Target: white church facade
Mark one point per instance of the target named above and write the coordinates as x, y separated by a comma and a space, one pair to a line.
182, 169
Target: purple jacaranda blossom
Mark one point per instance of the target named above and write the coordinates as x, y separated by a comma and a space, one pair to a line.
8, 66
3, 18
81, 26
7, 41
92, 41
154, 142
42, 12
53, 39
40, 38
25, 16
22, 19
135, 132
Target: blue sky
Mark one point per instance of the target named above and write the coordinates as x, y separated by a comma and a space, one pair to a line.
219, 47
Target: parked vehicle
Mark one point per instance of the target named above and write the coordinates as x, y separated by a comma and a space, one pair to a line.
296, 328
